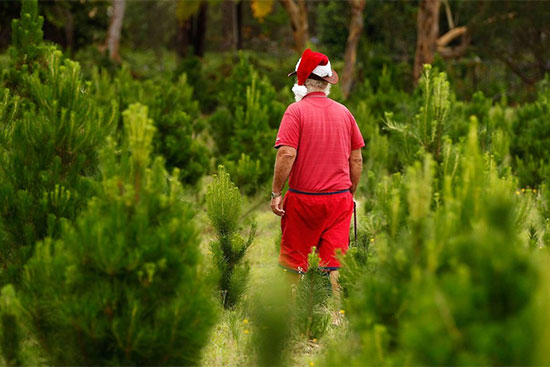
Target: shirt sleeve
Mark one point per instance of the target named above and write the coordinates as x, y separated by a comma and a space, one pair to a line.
289, 130
356, 137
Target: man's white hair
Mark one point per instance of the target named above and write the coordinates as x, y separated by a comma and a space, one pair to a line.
312, 85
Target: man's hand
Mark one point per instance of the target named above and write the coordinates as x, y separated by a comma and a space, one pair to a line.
277, 206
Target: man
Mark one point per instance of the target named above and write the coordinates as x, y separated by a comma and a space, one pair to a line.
319, 148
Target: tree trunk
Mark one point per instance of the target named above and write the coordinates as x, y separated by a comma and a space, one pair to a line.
230, 25
355, 29
455, 52
183, 37
199, 32
427, 32
115, 27
239, 25
297, 11
69, 30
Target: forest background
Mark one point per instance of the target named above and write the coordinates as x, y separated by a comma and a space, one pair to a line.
119, 246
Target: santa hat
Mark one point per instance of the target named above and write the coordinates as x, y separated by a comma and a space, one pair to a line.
313, 65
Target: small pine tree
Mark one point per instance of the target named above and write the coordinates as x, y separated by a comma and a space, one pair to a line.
251, 134
430, 124
174, 111
244, 126
123, 284
312, 316
234, 90
223, 201
531, 132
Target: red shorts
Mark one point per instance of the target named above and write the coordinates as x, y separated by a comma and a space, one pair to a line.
315, 220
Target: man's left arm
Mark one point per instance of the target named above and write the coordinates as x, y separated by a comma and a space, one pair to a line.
355, 168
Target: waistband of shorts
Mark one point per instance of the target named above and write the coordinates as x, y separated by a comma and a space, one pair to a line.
317, 193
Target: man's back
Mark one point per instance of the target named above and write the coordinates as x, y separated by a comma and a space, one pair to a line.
324, 133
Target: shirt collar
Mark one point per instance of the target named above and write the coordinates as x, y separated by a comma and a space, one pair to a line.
316, 94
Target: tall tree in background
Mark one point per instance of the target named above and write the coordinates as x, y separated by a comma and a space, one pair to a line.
443, 43
115, 28
192, 17
427, 34
231, 26
297, 11
428, 39
355, 29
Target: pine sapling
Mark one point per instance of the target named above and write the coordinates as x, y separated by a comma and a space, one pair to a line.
430, 123
312, 315
223, 201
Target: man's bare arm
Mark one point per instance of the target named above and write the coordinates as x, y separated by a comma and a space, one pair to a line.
283, 164
355, 168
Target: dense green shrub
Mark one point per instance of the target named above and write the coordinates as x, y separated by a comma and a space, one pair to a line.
49, 137
494, 125
205, 82
426, 131
223, 203
332, 27
383, 95
251, 157
234, 91
175, 112
531, 156
122, 285
10, 333
455, 283
244, 127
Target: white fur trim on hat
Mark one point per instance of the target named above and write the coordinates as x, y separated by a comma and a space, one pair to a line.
300, 91
320, 70
323, 70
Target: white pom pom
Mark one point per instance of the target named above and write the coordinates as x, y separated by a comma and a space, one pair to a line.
300, 92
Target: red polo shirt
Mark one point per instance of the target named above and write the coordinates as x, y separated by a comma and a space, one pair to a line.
324, 133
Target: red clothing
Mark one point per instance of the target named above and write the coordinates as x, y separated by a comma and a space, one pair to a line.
315, 220
324, 133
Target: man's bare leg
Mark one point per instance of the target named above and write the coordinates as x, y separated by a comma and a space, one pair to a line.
337, 317
334, 275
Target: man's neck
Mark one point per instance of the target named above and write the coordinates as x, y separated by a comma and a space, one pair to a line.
316, 93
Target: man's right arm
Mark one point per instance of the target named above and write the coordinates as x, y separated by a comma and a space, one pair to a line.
355, 169
283, 165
